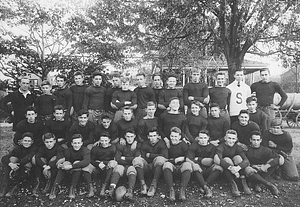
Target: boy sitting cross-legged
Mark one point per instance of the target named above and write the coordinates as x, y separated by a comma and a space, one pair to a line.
17, 164
46, 159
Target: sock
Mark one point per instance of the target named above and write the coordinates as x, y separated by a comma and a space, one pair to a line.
168, 177
131, 180
108, 175
87, 176
157, 172
200, 178
75, 178
257, 178
115, 178
213, 176
140, 173
228, 175
185, 178
59, 177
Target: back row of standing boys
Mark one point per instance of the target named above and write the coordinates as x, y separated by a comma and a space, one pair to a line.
118, 132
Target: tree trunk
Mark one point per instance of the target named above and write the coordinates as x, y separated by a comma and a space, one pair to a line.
234, 63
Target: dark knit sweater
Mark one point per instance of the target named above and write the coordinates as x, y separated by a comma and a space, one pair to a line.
178, 150
45, 104
220, 95
23, 154
112, 130
261, 155
200, 152
59, 128
198, 90
195, 124
260, 118
159, 149
100, 154
86, 131
217, 127
166, 94
244, 132
78, 96
36, 128
83, 155
167, 121
119, 98
144, 95
94, 98
123, 125
64, 98
144, 125
125, 150
108, 99
283, 141
44, 152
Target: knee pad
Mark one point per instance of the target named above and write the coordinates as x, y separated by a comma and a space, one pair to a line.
196, 167
217, 160
249, 171
119, 169
90, 168
237, 159
131, 171
186, 166
138, 162
228, 160
217, 167
112, 164
160, 160
168, 165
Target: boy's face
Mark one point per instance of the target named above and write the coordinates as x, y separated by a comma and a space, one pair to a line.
106, 123
203, 139
127, 114
78, 80
174, 104
49, 143
125, 86
220, 80
60, 82
156, 81
175, 138
243, 119
46, 89
31, 116
276, 129
27, 142
196, 77
239, 76
252, 105
104, 141
24, 84
59, 114
97, 80
153, 137
230, 139
171, 82
195, 109
141, 80
77, 143
116, 82
215, 112
83, 119
255, 141
129, 137
265, 76
151, 111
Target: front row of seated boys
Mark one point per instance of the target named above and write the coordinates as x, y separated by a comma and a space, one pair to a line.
137, 160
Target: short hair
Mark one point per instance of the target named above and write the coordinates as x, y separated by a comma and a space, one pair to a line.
83, 111
31, 108
61, 76
173, 98
76, 136
255, 132
78, 73
116, 75
58, 107
141, 74
125, 79
48, 135
264, 69
96, 73
239, 71
251, 98
220, 73
214, 105
195, 70
276, 122
27, 134
156, 74
231, 131
45, 82
172, 75
176, 130
197, 103
106, 115
151, 103
244, 111
127, 108
153, 129
130, 130
105, 134
204, 131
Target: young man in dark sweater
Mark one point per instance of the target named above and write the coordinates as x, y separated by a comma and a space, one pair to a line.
257, 115
107, 125
148, 122
216, 125
201, 155
263, 162
122, 98
85, 128
18, 164
63, 94
124, 156
221, 95
281, 142
171, 119
126, 122
144, 94
45, 161
231, 157
154, 153
157, 86
45, 103
264, 91
116, 86
169, 92
195, 122
30, 124
103, 159
177, 164
77, 161
20, 100
77, 94
244, 127
94, 97
195, 90
59, 126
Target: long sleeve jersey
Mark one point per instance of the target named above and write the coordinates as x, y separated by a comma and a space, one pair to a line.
265, 93
44, 152
123, 125
45, 104
220, 95
167, 121
119, 98
158, 149
223, 150
94, 98
178, 150
166, 94
59, 128
283, 141
125, 151
101, 154
144, 95
112, 130
261, 155
78, 96
36, 128
200, 152
195, 124
83, 155
86, 131
108, 99
198, 90
64, 98
144, 125
217, 127
244, 132
23, 154
260, 118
